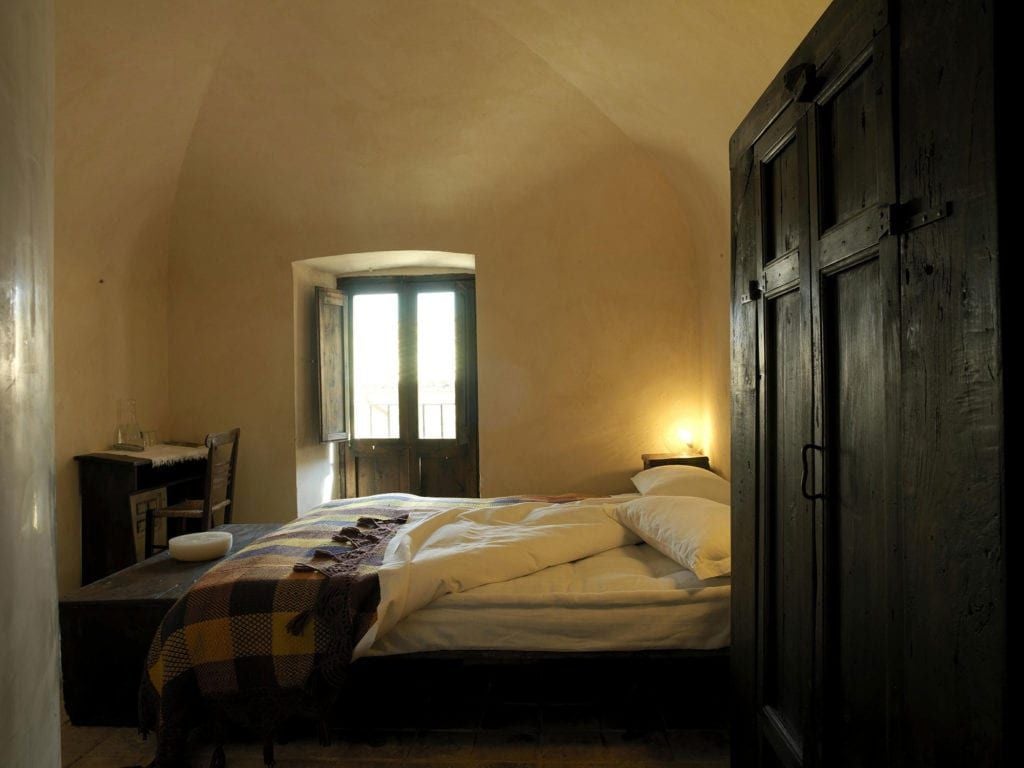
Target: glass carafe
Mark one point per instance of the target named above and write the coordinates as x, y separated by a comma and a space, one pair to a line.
128, 431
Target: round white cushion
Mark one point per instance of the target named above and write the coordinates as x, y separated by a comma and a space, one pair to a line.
194, 547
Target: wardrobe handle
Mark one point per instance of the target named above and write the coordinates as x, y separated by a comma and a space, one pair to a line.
803, 479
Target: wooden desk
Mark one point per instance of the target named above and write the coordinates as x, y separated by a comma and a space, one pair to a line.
106, 628
106, 480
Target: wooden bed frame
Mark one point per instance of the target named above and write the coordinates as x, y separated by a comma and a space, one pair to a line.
684, 688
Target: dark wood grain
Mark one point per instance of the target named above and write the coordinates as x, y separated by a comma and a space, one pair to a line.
847, 149
662, 459
951, 391
827, 45
788, 561
745, 459
856, 312
783, 604
1007, 172
106, 628
782, 216
467, 403
783, 273
377, 467
332, 364
442, 469
630, 686
108, 538
105, 482
907, 585
856, 563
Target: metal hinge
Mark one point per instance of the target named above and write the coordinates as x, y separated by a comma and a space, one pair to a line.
896, 219
753, 292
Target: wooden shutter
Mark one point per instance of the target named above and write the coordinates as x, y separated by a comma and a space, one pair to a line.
332, 359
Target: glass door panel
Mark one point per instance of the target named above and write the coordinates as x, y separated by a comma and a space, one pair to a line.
435, 360
375, 365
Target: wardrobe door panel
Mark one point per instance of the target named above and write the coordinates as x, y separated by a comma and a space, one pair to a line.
786, 573
782, 213
855, 519
847, 141
855, 307
788, 565
746, 452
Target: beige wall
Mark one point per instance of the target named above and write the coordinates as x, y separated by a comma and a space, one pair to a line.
130, 77
586, 339
579, 149
677, 78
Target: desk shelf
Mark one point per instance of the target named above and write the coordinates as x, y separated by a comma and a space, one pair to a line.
106, 482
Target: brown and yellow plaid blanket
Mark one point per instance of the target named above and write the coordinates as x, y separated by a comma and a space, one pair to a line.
268, 633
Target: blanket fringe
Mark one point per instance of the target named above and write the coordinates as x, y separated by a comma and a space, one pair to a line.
340, 602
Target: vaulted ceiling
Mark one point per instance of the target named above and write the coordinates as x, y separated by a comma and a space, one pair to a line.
675, 76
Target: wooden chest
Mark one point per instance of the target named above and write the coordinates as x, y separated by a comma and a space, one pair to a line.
106, 628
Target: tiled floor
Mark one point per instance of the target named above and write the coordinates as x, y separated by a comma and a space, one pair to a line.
501, 748
496, 722
120, 747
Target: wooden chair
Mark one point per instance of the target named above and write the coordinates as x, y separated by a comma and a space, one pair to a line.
218, 493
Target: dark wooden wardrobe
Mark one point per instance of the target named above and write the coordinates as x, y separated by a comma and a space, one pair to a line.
869, 581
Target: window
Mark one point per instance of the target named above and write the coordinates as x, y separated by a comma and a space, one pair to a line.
406, 379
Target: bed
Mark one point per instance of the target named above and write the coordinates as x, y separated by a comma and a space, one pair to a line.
628, 598
272, 631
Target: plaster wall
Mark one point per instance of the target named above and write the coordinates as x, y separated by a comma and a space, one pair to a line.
129, 79
469, 143
29, 704
677, 78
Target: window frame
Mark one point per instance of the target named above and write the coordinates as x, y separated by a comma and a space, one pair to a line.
407, 287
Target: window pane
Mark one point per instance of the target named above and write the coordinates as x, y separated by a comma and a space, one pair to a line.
375, 365
435, 339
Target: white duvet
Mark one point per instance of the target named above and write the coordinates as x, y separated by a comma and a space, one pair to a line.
467, 547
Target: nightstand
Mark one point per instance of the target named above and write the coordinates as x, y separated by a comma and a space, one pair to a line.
660, 459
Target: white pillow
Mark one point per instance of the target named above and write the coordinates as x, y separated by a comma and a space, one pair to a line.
692, 531
682, 480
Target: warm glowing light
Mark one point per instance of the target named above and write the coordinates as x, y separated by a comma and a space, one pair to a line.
679, 438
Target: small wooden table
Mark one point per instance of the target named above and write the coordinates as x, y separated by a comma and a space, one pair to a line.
107, 626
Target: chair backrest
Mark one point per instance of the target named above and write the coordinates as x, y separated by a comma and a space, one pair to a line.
221, 458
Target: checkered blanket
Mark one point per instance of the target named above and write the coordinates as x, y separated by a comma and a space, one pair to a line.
268, 633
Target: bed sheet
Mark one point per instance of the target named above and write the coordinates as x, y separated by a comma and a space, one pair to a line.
629, 598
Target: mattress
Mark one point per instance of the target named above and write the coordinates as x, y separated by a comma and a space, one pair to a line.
628, 598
